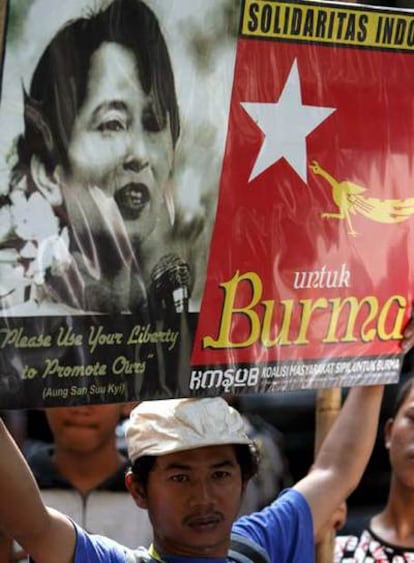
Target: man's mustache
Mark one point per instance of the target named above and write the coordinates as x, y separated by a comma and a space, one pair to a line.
203, 518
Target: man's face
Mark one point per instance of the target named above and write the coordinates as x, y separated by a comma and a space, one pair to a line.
83, 429
400, 442
193, 498
120, 143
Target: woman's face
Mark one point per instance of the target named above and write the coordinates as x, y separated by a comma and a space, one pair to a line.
120, 143
399, 439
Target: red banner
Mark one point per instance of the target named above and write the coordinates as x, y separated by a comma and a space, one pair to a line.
310, 255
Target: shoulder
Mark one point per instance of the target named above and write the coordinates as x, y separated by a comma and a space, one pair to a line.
95, 548
242, 549
283, 528
290, 505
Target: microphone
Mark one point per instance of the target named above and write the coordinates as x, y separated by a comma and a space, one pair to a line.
171, 284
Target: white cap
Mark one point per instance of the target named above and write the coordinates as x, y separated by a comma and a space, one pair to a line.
173, 425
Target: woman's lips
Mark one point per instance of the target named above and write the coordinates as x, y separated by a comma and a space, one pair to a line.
132, 199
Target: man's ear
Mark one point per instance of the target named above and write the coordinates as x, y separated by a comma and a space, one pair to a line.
387, 432
244, 487
136, 490
47, 184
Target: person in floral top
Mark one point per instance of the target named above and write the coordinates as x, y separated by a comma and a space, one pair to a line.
389, 535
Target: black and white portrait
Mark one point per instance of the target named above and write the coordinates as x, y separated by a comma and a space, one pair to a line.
113, 121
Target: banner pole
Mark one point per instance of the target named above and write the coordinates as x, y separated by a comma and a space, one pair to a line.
328, 405
2, 23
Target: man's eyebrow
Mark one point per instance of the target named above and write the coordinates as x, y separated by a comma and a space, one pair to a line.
185, 467
224, 464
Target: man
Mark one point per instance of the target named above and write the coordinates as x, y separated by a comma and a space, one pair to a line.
191, 461
82, 473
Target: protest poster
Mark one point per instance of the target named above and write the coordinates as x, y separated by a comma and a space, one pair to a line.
202, 198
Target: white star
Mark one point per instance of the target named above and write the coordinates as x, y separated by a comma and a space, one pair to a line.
285, 125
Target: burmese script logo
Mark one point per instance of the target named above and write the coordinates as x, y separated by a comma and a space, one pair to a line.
349, 200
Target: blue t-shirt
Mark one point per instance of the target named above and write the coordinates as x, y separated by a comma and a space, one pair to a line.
284, 530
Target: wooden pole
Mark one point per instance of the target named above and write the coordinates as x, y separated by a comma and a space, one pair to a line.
328, 405
2, 22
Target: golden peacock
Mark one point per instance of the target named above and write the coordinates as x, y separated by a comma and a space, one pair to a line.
349, 200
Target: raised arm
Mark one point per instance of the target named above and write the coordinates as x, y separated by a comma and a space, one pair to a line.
344, 454
47, 535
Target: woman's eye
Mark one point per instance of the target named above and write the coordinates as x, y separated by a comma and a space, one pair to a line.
113, 125
151, 121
